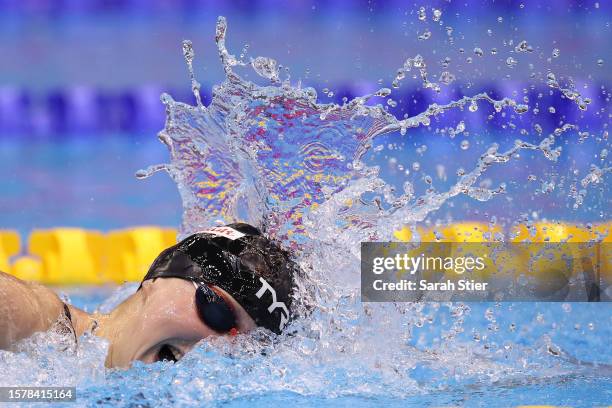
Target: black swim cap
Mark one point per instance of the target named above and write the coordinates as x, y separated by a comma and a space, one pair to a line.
255, 270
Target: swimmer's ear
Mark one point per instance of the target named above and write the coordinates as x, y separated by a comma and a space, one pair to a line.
213, 310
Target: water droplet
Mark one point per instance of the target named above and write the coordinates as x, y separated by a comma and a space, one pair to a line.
520, 108
478, 51
556, 52
510, 62
446, 77
383, 92
600, 62
551, 109
266, 68
465, 144
500, 19
603, 154
523, 47
416, 166
493, 51
473, 106
422, 14
425, 36
437, 14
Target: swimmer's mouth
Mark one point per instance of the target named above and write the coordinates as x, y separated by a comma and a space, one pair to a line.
168, 352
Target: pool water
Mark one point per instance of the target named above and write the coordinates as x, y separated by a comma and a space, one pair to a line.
476, 354
84, 182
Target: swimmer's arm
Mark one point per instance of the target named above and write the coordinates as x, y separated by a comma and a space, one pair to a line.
25, 308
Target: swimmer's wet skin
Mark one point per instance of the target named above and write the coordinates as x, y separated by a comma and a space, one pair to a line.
222, 281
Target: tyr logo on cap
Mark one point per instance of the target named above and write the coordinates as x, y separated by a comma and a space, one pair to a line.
265, 286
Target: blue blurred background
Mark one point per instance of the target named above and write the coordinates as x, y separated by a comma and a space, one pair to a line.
80, 84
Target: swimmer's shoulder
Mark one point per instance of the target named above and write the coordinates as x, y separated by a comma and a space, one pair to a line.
30, 294
25, 308
49, 300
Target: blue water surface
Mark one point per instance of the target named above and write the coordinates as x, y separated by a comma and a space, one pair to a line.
581, 330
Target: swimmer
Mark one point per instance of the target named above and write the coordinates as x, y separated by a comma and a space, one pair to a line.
220, 282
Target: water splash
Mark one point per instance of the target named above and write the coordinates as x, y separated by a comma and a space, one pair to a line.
189, 54
274, 156
569, 92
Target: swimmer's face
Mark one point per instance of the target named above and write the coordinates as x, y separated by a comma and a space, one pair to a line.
161, 322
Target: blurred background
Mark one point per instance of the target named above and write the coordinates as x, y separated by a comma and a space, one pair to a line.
80, 84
